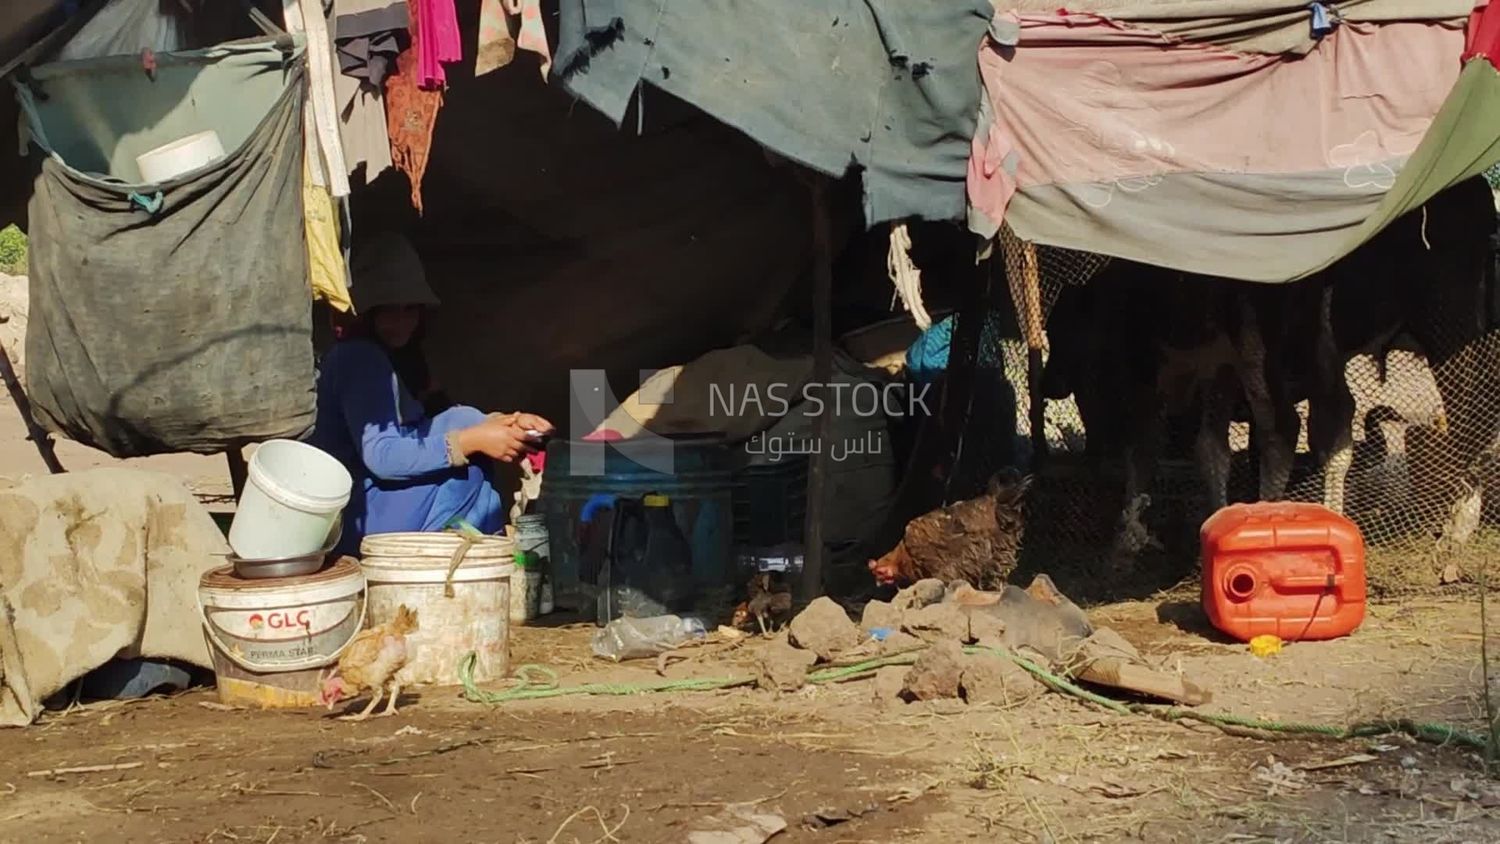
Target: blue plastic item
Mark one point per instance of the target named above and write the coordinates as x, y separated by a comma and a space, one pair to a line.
124, 679
927, 356
699, 486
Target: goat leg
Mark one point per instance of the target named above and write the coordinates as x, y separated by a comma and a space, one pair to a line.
1277, 445
1211, 445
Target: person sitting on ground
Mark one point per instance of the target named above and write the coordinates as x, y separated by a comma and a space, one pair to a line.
418, 462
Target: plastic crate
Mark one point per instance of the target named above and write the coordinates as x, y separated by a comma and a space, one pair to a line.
770, 502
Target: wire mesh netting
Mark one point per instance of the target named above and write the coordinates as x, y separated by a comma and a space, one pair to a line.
1129, 379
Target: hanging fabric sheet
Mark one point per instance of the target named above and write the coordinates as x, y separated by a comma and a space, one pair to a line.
505, 25
411, 113
497, 46
1113, 139
435, 29
325, 259
172, 316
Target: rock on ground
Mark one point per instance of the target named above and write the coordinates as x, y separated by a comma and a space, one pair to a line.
879, 614
920, 594
899, 642
783, 668
937, 623
935, 674
991, 678
986, 628
825, 629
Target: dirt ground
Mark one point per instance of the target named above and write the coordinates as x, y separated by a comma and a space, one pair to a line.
831, 761
835, 763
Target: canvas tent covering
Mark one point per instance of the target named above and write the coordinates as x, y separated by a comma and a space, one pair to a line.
882, 86
1222, 138
1253, 139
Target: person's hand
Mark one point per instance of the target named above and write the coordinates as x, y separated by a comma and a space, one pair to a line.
495, 438
532, 422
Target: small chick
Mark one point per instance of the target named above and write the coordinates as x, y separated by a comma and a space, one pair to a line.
370, 664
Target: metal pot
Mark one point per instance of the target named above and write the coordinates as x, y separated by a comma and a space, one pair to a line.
288, 566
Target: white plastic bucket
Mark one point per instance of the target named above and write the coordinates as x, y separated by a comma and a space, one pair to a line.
291, 501
531, 536
414, 569
183, 155
281, 624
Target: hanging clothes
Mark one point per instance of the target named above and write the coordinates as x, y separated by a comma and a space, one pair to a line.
434, 26
533, 36
411, 114
505, 25
325, 260
497, 46
362, 127
368, 36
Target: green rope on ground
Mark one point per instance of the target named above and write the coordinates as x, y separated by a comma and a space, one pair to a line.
1428, 732
536, 681
531, 688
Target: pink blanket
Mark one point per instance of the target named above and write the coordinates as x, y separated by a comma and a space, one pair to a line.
436, 29
1107, 111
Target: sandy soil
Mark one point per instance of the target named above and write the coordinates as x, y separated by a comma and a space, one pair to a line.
830, 760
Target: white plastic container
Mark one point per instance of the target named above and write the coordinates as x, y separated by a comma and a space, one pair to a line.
531, 536
291, 501
525, 593
183, 155
414, 569
269, 638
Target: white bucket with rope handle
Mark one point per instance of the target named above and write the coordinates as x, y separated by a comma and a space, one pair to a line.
459, 587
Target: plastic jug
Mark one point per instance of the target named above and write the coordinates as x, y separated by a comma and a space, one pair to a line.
1288, 569
648, 566
638, 638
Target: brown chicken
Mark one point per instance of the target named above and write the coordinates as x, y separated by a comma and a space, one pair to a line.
370, 664
974, 540
769, 602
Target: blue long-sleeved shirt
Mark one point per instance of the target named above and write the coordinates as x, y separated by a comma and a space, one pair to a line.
397, 454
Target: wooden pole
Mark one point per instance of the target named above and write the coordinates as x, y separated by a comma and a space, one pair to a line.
934, 457
34, 432
1026, 293
964, 351
811, 584
239, 471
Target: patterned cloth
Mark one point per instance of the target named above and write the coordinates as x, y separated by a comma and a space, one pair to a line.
411, 114
498, 38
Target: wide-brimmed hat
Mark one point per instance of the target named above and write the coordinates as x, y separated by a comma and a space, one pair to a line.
386, 270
